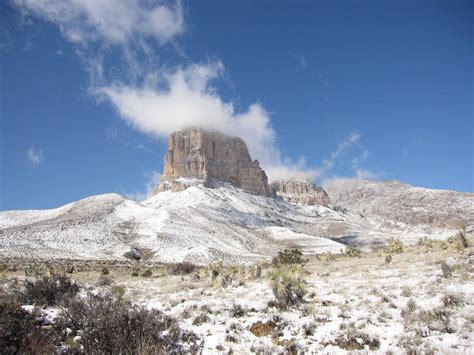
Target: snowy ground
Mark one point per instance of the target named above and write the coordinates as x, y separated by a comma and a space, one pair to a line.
352, 304
199, 225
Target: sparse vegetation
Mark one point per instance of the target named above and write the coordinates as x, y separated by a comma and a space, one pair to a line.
46, 290
394, 246
201, 319
183, 268
118, 291
108, 325
147, 273
288, 288
352, 339
353, 252
292, 256
19, 333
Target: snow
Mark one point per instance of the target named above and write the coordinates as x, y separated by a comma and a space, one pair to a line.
201, 225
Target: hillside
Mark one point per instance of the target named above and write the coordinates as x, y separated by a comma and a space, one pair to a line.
224, 223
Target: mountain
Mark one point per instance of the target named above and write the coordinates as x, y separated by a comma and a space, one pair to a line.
397, 202
214, 204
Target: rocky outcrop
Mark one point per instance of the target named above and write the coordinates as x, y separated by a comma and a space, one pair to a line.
196, 156
300, 192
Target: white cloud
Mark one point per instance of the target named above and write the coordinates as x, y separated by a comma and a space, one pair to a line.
166, 100
152, 178
109, 21
301, 61
342, 148
35, 156
187, 98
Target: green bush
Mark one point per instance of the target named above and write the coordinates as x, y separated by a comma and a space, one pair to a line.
394, 246
118, 291
425, 242
353, 252
147, 273
292, 256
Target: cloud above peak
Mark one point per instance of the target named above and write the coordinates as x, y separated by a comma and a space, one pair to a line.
109, 21
155, 98
187, 97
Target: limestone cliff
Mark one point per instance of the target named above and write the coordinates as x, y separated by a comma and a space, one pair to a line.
196, 156
300, 192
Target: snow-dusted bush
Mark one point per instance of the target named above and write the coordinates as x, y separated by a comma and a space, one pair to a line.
288, 288
19, 333
108, 325
47, 290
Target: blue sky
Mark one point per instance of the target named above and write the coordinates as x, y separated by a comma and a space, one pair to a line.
323, 90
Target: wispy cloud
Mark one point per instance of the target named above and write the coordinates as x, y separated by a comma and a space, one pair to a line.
155, 99
35, 156
152, 178
301, 61
109, 21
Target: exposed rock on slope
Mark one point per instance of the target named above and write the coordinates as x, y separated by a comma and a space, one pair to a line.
300, 192
196, 156
199, 225
394, 201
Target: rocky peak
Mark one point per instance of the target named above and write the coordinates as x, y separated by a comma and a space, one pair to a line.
197, 156
300, 192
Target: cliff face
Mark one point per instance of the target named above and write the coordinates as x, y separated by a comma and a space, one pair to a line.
300, 192
196, 156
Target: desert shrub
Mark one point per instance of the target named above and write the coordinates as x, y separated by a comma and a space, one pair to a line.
201, 319
451, 300
292, 256
352, 339
109, 325
406, 291
19, 333
327, 257
3, 267
237, 311
411, 305
288, 288
47, 290
105, 271
309, 328
104, 280
183, 268
147, 273
425, 242
118, 291
457, 242
394, 246
353, 252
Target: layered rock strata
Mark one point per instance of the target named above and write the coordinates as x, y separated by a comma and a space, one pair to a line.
300, 192
196, 156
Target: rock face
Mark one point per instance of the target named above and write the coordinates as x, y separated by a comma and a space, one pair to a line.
196, 156
300, 192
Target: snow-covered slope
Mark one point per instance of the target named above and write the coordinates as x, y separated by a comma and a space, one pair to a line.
396, 201
199, 224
